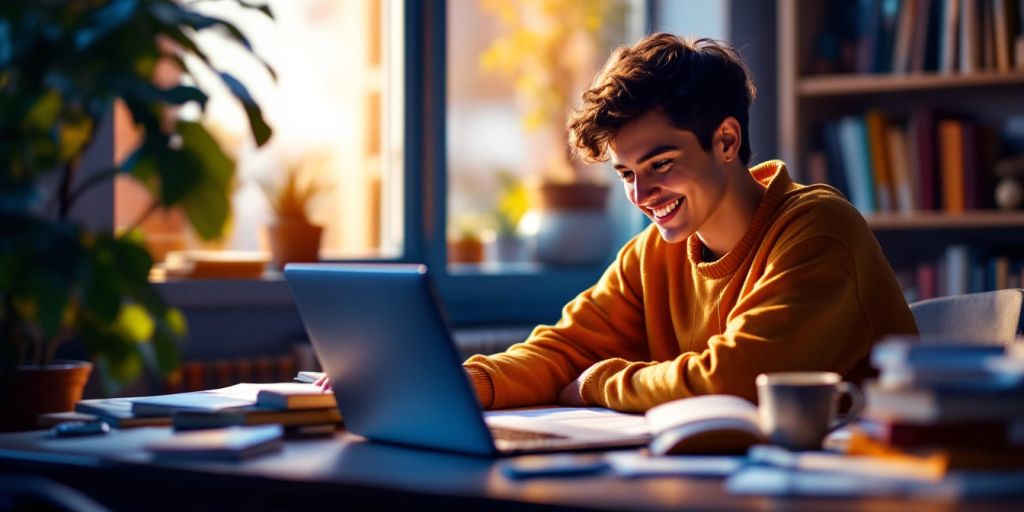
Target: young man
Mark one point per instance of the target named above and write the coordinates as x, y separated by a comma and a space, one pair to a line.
741, 272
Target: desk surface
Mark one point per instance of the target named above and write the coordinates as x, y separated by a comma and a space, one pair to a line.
328, 472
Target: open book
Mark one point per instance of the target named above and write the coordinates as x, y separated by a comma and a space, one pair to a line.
710, 424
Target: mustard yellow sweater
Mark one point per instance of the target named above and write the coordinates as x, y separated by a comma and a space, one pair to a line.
807, 288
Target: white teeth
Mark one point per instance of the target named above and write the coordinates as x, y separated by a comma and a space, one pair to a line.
665, 210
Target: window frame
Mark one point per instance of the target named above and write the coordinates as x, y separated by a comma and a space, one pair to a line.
473, 295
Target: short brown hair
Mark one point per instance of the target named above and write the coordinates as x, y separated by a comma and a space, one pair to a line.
697, 83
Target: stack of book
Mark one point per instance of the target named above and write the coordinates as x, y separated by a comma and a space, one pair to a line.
298, 406
962, 401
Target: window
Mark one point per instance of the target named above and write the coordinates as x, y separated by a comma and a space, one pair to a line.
514, 71
499, 145
336, 110
392, 99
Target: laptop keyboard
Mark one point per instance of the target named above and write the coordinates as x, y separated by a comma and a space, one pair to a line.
510, 434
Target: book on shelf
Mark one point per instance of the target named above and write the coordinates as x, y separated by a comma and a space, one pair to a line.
970, 58
875, 123
226, 444
835, 172
951, 164
949, 36
904, 36
922, 140
905, 183
857, 163
189, 420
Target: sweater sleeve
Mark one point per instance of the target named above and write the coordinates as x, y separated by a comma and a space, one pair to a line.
803, 313
602, 322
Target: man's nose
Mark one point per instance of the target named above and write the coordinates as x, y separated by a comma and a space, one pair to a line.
644, 187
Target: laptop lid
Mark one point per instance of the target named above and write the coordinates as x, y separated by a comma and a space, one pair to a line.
381, 336
385, 345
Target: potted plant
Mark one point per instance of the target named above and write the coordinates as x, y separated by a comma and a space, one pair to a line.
550, 47
62, 65
512, 205
293, 237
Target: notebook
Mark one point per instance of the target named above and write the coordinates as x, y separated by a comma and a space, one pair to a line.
382, 338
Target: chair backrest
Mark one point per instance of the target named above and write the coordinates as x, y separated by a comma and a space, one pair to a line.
987, 317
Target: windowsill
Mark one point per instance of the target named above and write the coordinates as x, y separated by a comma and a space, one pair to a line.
522, 293
270, 290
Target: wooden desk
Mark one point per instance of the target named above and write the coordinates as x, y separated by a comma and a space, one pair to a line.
344, 472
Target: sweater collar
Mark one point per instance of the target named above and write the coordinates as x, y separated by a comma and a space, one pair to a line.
773, 175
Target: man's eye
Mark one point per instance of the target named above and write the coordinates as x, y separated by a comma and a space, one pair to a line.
626, 175
661, 165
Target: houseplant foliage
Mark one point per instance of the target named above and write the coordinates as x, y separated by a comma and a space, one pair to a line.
292, 235
550, 48
62, 65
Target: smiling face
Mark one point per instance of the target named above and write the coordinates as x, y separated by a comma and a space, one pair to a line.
667, 175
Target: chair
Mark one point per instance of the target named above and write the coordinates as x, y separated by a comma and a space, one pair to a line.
992, 318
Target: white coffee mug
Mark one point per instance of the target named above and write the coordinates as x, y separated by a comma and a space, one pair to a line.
798, 409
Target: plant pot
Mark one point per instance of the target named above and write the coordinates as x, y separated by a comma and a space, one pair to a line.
36, 389
505, 249
468, 249
294, 240
573, 227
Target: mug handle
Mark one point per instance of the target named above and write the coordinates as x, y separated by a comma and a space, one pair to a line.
856, 405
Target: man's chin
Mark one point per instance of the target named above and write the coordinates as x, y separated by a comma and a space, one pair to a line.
673, 236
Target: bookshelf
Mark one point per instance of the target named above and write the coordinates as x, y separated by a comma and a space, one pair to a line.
885, 62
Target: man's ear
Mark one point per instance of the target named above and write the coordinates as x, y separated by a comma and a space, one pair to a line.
727, 139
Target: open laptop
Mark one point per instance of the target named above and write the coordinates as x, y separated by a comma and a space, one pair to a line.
382, 338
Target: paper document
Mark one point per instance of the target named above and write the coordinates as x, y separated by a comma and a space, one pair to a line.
635, 464
580, 422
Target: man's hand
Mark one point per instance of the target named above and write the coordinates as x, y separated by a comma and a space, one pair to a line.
324, 383
570, 395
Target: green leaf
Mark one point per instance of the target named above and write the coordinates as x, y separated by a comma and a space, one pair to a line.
106, 20
182, 94
134, 262
75, 134
43, 113
134, 323
165, 349
260, 130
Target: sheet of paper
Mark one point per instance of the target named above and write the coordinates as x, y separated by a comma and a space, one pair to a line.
581, 422
635, 464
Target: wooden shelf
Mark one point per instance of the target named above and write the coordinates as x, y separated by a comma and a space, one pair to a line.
981, 219
852, 85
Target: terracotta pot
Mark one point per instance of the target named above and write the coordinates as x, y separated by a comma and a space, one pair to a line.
573, 196
294, 240
466, 250
36, 389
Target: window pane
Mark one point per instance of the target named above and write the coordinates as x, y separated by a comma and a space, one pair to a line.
335, 109
515, 69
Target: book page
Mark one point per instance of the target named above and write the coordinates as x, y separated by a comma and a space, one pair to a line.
709, 408
579, 422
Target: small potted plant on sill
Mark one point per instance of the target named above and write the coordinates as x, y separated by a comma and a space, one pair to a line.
507, 245
551, 49
63, 63
292, 236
